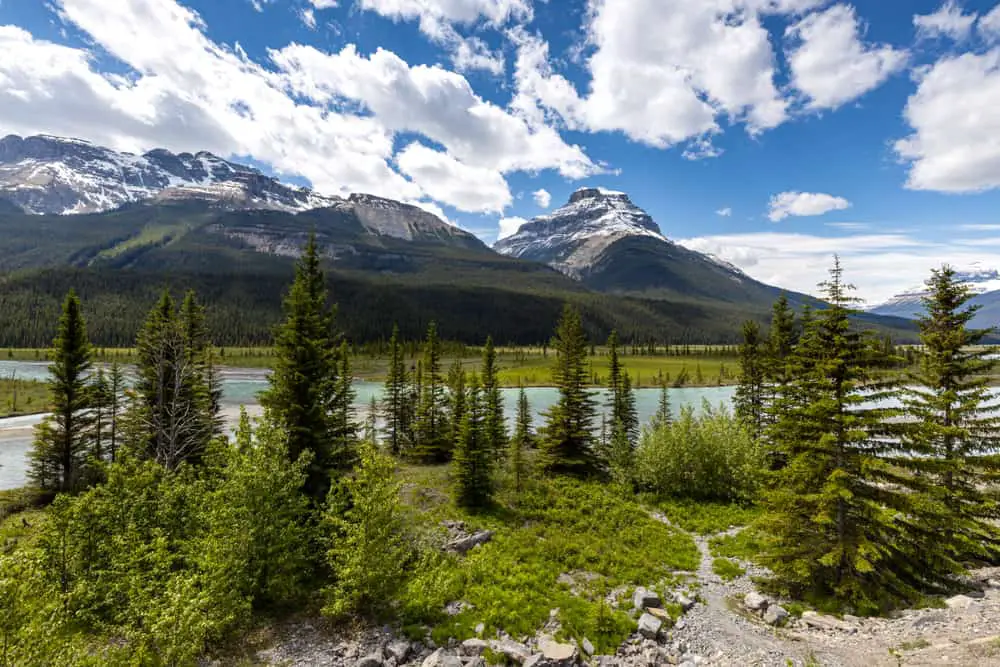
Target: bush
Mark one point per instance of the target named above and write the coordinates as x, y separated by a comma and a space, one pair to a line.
711, 457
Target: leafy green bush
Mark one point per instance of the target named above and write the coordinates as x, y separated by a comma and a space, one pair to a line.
727, 569
705, 517
711, 457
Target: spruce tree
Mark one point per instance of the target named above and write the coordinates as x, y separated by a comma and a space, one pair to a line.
58, 458
456, 400
100, 409
201, 386
750, 391
664, 414
303, 381
116, 389
473, 461
779, 346
495, 420
952, 436
343, 453
431, 427
397, 391
567, 438
521, 442
830, 510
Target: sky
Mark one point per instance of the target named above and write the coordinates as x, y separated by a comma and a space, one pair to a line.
772, 133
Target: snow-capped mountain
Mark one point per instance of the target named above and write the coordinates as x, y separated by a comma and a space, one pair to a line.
601, 238
985, 283
46, 174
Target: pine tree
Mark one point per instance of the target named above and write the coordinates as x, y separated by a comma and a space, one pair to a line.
116, 389
100, 408
303, 381
952, 435
779, 347
522, 441
456, 401
472, 463
431, 427
830, 509
59, 455
344, 430
201, 386
628, 414
567, 440
496, 422
750, 391
397, 391
664, 414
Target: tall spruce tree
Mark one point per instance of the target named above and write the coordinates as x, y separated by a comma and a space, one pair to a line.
567, 437
344, 429
202, 386
303, 382
397, 392
779, 346
456, 400
522, 440
830, 510
953, 435
472, 464
751, 389
664, 414
116, 389
431, 427
58, 458
495, 420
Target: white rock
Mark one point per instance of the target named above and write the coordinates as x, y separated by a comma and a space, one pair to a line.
649, 626
474, 646
398, 650
775, 615
684, 601
959, 602
555, 652
441, 659
755, 602
519, 653
588, 648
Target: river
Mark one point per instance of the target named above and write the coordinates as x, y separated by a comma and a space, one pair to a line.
240, 387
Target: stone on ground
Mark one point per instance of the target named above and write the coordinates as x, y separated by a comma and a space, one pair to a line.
644, 598
373, 660
398, 651
440, 658
775, 615
588, 648
754, 601
649, 626
556, 652
959, 602
519, 653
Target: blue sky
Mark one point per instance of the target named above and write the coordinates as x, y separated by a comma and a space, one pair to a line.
772, 133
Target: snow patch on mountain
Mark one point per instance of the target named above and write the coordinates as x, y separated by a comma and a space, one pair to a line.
909, 303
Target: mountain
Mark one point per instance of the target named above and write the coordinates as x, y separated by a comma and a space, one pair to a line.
46, 174
609, 244
984, 283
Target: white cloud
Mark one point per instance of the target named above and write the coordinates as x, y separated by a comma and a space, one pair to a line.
472, 53
442, 177
954, 147
452, 11
308, 17
662, 72
804, 204
542, 198
989, 25
724, 212
323, 4
509, 227
830, 64
948, 21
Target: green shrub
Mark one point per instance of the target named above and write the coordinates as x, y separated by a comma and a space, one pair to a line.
705, 517
727, 569
711, 457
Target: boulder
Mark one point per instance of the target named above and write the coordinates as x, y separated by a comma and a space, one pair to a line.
440, 658
519, 653
649, 626
824, 622
959, 602
474, 646
775, 615
555, 652
755, 602
644, 598
684, 601
398, 650
535, 660
587, 647
373, 660
465, 544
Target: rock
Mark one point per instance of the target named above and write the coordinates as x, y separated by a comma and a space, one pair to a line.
644, 598
476, 662
824, 622
465, 544
480, 629
555, 652
456, 608
373, 660
440, 658
959, 602
976, 594
993, 583
398, 650
755, 602
649, 626
684, 601
535, 660
517, 652
588, 648
775, 615
661, 614
474, 646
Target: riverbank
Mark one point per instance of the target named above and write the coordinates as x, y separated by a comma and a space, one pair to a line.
20, 397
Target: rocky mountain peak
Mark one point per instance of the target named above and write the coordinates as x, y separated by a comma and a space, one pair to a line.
597, 193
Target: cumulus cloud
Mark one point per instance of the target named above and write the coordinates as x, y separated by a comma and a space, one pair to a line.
308, 17
442, 177
829, 62
953, 147
989, 25
509, 227
948, 21
542, 198
323, 4
789, 204
724, 212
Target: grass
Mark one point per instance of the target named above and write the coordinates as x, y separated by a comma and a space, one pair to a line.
705, 518
554, 527
913, 645
21, 397
727, 569
745, 545
152, 234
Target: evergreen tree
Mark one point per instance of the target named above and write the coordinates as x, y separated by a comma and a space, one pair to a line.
779, 347
303, 381
201, 387
628, 414
830, 510
621, 457
472, 463
495, 421
116, 389
456, 401
343, 453
431, 427
522, 441
750, 391
953, 435
397, 391
567, 440
100, 407
664, 414
59, 455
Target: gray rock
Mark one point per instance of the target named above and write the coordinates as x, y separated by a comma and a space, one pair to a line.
476, 662
775, 615
398, 650
684, 601
824, 622
644, 598
474, 646
517, 652
587, 647
649, 626
480, 629
536, 660
555, 652
440, 658
465, 544
756, 602
373, 660
959, 602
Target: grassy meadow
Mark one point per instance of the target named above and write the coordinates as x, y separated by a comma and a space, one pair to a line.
22, 397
